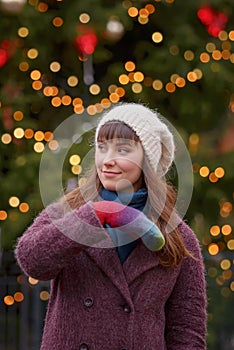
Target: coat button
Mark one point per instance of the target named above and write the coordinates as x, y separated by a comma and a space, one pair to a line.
88, 302
83, 346
126, 308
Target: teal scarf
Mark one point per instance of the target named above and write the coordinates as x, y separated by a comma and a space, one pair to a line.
122, 241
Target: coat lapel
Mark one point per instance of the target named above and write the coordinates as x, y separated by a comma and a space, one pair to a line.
139, 261
107, 259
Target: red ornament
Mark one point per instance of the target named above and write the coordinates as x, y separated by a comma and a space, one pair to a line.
86, 41
3, 57
213, 20
7, 49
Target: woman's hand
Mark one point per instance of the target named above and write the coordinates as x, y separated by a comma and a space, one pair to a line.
131, 221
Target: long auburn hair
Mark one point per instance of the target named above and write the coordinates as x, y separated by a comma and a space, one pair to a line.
161, 197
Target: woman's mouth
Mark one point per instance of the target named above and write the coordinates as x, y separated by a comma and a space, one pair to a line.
110, 173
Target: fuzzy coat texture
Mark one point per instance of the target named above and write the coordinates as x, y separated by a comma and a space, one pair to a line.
97, 304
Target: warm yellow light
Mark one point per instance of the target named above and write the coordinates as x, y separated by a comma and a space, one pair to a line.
78, 109
23, 32
180, 82
226, 230
39, 135
42, 7
57, 21
37, 85
215, 230
32, 281
217, 55
230, 244
194, 139
44, 295
189, 55
48, 136
123, 79
39, 147
56, 101
198, 73
157, 84
144, 13
74, 159
77, 101
53, 145
94, 89
14, 201
157, 37
114, 98
213, 178
55, 66
66, 100
210, 47
24, 207
6, 138
112, 88
23, 66
137, 88
143, 20
76, 169
150, 8
133, 11
32, 53
18, 115
19, 297
225, 264
138, 77
105, 102
130, 66
9, 300
91, 110
219, 172
170, 87
204, 171
192, 77
28, 133
19, 133
72, 81
3, 215
35, 74
213, 249
232, 286
84, 17
120, 91
204, 57
223, 35
231, 35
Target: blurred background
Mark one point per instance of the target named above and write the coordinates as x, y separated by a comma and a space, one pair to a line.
59, 58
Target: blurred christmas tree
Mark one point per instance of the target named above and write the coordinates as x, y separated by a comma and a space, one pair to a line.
63, 57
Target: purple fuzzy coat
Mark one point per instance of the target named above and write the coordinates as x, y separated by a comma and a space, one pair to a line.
97, 304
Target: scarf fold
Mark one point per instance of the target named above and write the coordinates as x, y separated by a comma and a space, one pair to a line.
123, 242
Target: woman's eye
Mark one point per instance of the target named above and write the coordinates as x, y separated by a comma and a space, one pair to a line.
123, 150
101, 147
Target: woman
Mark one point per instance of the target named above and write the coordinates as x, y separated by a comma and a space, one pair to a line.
126, 272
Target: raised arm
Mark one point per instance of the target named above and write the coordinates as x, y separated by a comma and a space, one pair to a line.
46, 246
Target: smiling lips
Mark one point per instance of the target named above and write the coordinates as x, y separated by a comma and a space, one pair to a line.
110, 173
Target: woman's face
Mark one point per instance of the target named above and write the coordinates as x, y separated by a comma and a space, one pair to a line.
119, 164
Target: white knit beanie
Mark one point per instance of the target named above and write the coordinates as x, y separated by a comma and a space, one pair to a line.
157, 141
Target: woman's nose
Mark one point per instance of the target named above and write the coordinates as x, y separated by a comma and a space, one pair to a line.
109, 158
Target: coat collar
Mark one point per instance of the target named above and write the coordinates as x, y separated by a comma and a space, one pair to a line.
139, 261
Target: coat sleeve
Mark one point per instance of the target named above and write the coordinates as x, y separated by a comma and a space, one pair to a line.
48, 244
186, 307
